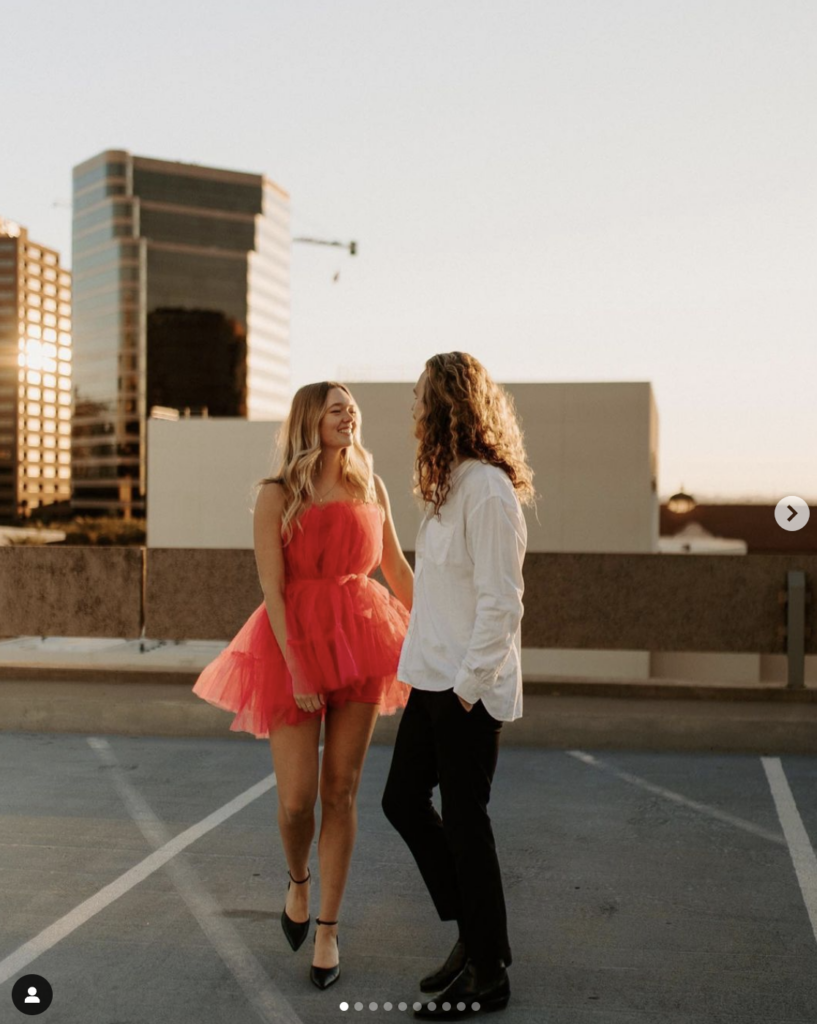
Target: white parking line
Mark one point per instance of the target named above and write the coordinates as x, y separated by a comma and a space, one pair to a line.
684, 801
800, 849
50, 936
238, 958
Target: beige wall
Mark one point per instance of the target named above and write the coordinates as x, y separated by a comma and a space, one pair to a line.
593, 448
201, 474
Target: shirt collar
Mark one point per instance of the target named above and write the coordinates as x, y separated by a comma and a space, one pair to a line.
459, 469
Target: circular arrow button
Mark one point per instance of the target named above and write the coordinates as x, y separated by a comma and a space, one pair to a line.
792, 513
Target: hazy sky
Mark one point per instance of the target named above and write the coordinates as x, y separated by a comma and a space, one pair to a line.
572, 190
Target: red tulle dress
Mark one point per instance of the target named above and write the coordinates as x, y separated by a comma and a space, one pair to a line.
344, 629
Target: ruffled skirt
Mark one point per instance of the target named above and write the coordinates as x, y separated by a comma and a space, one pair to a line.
344, 636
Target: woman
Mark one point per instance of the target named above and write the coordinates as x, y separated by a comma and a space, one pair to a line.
323, 646
462, 659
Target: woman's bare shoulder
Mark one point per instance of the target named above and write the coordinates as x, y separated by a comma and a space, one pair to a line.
270, 498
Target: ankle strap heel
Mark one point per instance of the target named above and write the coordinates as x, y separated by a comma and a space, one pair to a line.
323, 977
295, 931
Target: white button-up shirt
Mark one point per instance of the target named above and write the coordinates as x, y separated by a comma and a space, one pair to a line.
465, 627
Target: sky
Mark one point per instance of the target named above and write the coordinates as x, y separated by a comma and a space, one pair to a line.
570, 190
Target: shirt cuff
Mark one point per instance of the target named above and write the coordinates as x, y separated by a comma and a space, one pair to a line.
469, 687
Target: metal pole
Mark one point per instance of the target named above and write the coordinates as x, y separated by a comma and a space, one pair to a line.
796, 629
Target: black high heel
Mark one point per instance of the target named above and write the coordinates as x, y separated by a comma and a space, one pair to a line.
295, 931
323, 977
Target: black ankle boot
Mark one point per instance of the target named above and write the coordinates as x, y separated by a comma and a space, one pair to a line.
323, 977
295, 931
487, 988
444, 975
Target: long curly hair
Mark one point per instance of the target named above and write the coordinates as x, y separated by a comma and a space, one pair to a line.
467, 414
299, 444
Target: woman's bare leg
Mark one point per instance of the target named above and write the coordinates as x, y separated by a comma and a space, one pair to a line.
295, 762
346, 740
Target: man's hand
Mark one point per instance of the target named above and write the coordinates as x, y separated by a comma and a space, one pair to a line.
464, 703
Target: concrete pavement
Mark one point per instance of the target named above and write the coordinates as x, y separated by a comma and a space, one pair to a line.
641, 888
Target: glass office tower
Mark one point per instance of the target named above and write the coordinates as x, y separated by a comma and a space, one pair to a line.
35, 375
181, 300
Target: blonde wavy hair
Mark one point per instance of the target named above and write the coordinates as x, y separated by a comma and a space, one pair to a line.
466, 413
299, 442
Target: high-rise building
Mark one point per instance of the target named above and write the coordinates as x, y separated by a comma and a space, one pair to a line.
181, 300
35, 375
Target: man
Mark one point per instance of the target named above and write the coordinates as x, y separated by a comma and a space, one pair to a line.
462, 656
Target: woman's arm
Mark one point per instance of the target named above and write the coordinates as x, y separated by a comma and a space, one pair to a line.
394, 565
269, 557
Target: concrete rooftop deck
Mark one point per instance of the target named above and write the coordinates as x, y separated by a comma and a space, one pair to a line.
641, 888
77, 685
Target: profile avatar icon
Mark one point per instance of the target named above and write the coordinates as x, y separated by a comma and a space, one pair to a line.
32, 994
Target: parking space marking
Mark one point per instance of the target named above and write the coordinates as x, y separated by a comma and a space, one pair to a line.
678, 798
15, 962
800, 849
238, 958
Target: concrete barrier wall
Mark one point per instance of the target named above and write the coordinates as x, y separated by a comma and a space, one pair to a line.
71, 591
199, 594
662, 603
574, 601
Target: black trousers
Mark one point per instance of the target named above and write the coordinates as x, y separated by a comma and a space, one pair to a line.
440, 743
